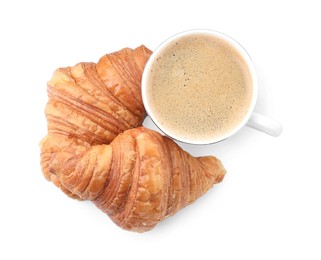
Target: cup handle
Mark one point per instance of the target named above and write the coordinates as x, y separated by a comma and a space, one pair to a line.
265, 124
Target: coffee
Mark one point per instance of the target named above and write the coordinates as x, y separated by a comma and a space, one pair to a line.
199, 88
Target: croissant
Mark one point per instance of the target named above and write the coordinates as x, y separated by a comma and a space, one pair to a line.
92, 103
96, 148
139, 179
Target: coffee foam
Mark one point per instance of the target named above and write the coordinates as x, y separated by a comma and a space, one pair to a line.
200, 88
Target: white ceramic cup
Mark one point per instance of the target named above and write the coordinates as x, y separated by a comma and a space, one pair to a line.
251, 119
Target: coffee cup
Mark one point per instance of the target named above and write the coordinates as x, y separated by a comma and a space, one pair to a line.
201, 87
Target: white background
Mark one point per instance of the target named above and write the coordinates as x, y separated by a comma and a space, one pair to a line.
267, 207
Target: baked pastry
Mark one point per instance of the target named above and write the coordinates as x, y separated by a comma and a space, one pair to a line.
97, 150
139, 179
92, 103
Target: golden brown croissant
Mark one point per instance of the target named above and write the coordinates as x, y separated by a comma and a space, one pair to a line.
92, 103
139, 179
136, 176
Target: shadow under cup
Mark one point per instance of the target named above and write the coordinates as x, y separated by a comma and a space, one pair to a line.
199, 87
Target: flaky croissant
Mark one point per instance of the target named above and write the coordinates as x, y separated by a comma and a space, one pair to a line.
139, 179
137, 176
92, 103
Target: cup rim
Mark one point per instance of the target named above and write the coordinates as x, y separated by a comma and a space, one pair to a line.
245, 55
